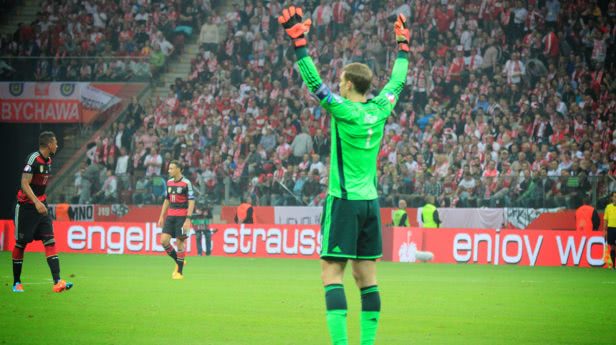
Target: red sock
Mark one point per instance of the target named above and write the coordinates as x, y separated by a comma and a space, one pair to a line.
18, 253
51, 250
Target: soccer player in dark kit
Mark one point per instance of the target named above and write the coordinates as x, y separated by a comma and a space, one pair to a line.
32, 219
178, 206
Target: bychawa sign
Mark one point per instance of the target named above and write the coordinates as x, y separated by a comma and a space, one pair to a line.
53, 102
501, 247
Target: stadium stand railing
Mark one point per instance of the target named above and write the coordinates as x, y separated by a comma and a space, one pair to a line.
566, 192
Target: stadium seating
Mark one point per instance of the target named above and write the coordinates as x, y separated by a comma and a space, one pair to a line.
504, 106
98, 40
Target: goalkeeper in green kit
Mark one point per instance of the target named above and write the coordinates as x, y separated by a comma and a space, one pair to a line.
351, 222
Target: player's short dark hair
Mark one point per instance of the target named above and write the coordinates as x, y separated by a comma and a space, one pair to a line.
360, 75
45, 138
178, 164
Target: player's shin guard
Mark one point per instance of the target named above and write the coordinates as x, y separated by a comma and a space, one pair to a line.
18, 260
336, 304
180, 260
52, 259
370, 314
170, 251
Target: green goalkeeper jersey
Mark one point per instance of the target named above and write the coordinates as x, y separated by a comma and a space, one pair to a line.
356, 129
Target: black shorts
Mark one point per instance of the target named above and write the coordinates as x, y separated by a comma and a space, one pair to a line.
611, 236
31, 225
173, 226
351, 229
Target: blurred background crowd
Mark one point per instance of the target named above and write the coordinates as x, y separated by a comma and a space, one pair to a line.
507, 103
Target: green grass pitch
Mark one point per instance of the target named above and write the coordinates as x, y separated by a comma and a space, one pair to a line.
232, 301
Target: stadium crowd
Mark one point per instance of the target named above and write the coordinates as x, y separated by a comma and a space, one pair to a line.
99, 40
507, 103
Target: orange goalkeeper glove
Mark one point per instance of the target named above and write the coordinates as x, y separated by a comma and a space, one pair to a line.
403, 35
291, 21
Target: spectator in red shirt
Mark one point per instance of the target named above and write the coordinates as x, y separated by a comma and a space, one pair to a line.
444, 18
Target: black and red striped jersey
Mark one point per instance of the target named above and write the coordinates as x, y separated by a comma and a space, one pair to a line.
40, 168
178, 194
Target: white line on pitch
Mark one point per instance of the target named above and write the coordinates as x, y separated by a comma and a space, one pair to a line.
49, 282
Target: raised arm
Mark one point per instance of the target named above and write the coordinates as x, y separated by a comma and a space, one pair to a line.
308, 71
388, 97
291, 21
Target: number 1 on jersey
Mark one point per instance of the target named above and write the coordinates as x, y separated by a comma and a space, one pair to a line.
370, 132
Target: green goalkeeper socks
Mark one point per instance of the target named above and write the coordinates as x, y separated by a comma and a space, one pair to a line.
370, 314
335, 301
336, 304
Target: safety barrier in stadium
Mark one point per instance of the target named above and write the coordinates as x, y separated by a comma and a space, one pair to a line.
466, 218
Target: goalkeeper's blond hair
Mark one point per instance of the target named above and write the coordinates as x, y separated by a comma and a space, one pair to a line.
360, 75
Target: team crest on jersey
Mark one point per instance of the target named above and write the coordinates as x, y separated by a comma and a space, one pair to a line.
67, 89
391, 97
370, 119
179, 190
16, 89
169, 190
42, 168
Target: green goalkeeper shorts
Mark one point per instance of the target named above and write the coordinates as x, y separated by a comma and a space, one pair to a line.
351, 229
